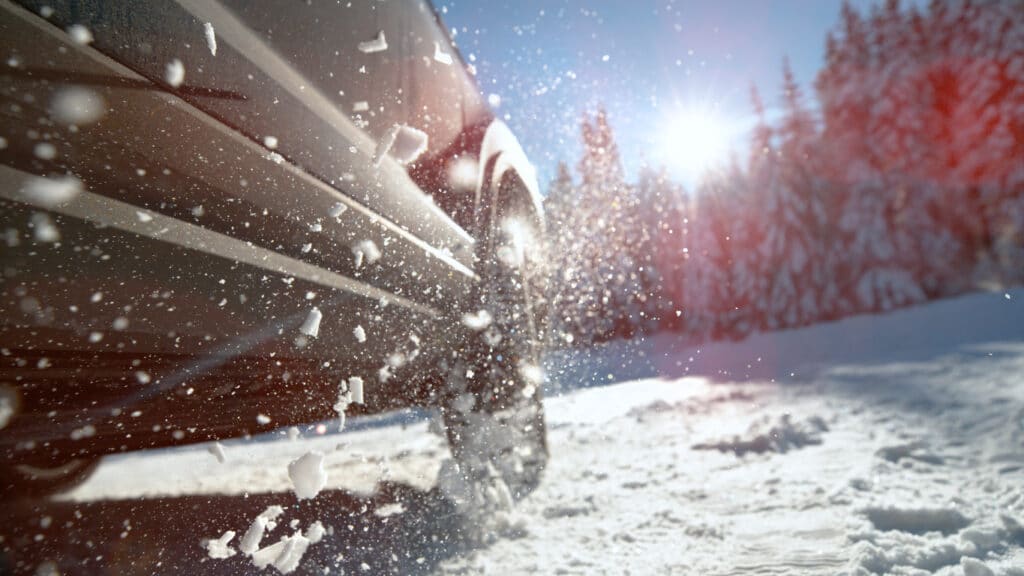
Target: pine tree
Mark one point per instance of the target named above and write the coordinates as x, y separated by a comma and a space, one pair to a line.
796, 244
662, 250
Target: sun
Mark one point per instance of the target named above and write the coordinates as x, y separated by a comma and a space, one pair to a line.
694, 139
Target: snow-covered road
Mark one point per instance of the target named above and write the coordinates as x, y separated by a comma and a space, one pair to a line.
890, 444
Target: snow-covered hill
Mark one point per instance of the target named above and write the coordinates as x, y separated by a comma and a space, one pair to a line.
878, 444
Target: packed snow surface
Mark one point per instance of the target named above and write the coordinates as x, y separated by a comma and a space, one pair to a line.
874, 445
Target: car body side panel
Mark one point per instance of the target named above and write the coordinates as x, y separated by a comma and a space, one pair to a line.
161, 154
254, 88
169, 308
197, 313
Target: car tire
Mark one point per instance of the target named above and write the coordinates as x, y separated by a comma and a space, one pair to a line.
493, 409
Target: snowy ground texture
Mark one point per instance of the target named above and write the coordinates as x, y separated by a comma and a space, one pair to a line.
875, 445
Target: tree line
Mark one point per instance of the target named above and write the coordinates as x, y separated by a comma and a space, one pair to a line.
905, 183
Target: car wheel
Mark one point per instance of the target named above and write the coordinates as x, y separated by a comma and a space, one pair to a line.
39, 480
493, 410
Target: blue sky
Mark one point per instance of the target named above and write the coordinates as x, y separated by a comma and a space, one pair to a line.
647, 62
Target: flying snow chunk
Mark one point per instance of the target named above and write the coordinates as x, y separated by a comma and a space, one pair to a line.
355, 387
271, 514
442, 56
251, 540
43, 228
360, 106
77, 106
250, 543
307, 475
462, 173
45, 151
211, 38
219, 549
360, 334
478, 321
311, 326
336, 210
404, 143
50, 192
494, 100
366, 251
174, 74
270, 142
218, 452
315, 532
80, 34
378, 44
388, 510
143, 216
262, 419
8, 404
285, 555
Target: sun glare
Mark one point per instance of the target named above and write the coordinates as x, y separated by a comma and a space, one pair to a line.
694, 140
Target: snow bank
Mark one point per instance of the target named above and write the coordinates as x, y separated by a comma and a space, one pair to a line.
908, 334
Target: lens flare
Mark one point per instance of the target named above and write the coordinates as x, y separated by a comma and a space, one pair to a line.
694, 139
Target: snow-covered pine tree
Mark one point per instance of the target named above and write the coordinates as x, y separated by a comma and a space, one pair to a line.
605, 206
795, 249
565, 265
662, 209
